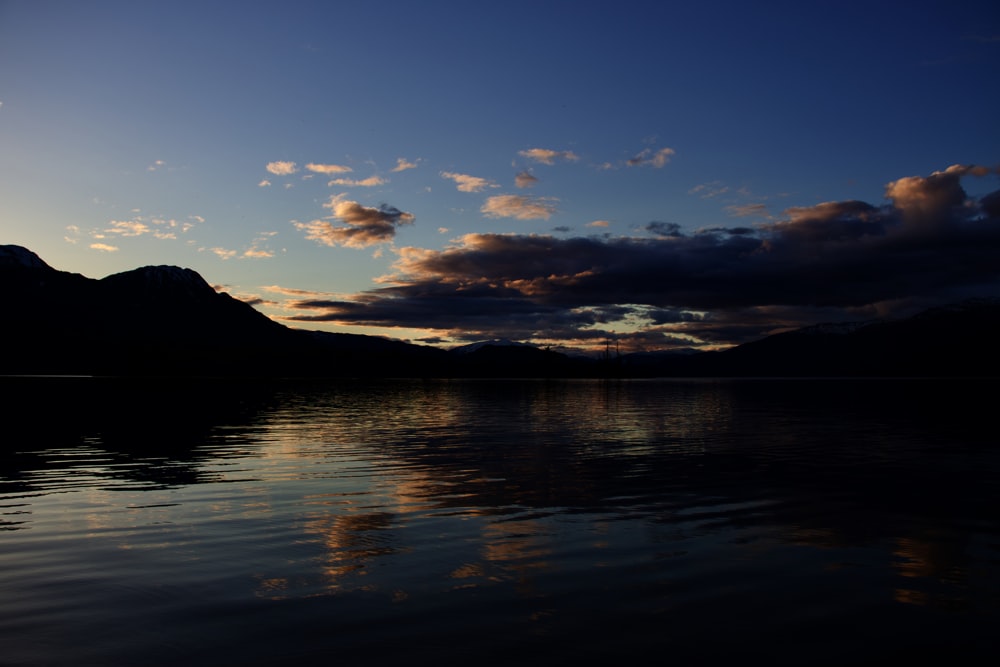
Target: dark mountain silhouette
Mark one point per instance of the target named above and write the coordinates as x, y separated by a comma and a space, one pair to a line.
164, 320
167, 321
504, 359
955, 340
496, 342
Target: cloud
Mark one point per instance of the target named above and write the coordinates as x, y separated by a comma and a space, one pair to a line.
281, 168
402, 165
525, 180
252, 299
223, 253
257, 253
160, 228
709, 190
932, 200
370, 182
547, 156
103, 247
322, 168
292, 291
264, 183
929, 242
127, 228
748, 210
521, 208
649, 157
467, 183
363, 226
257, 249
599, 223
664, 229
156, 165
253, 252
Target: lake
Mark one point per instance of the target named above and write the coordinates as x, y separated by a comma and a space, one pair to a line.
498, 522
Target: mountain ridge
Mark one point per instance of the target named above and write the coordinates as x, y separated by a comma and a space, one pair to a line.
168, 321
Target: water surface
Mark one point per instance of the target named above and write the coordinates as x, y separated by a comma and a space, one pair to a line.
498, 522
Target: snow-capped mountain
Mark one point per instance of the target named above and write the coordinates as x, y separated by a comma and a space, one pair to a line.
496, 342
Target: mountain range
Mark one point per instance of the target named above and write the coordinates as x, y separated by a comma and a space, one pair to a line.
168, 321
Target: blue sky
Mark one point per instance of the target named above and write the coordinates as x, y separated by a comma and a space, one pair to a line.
552, 171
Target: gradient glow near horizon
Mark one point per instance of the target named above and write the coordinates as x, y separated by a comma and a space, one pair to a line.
559, 172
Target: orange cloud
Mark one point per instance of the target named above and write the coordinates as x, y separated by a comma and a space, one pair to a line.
281, 168
467, 183
521, 208
548, 156
364, 226
328, 168
370, 182
402, 165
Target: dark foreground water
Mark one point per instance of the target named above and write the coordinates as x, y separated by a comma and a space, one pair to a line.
499, 522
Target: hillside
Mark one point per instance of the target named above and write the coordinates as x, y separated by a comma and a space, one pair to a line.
955, 340
164, 320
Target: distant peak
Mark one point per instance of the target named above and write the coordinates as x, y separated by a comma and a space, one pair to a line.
15, 255
834, 328
163, 277
972, 304
170, 274
496, 342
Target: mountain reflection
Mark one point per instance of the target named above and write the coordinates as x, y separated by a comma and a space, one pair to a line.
95, 431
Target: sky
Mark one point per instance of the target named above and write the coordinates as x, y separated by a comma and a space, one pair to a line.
664, 174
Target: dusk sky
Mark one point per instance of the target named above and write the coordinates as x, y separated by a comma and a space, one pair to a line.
669, 174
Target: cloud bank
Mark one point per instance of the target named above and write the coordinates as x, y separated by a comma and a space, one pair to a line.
929, 242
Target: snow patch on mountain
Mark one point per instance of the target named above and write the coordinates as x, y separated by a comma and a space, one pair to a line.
15, 255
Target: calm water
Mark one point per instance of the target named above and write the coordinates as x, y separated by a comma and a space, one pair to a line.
498, 522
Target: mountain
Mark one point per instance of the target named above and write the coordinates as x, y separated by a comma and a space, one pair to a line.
148, 320
955, 340
167, 321
496, 342
504, 358
16, 256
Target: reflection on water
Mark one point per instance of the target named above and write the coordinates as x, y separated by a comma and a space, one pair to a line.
537, 522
